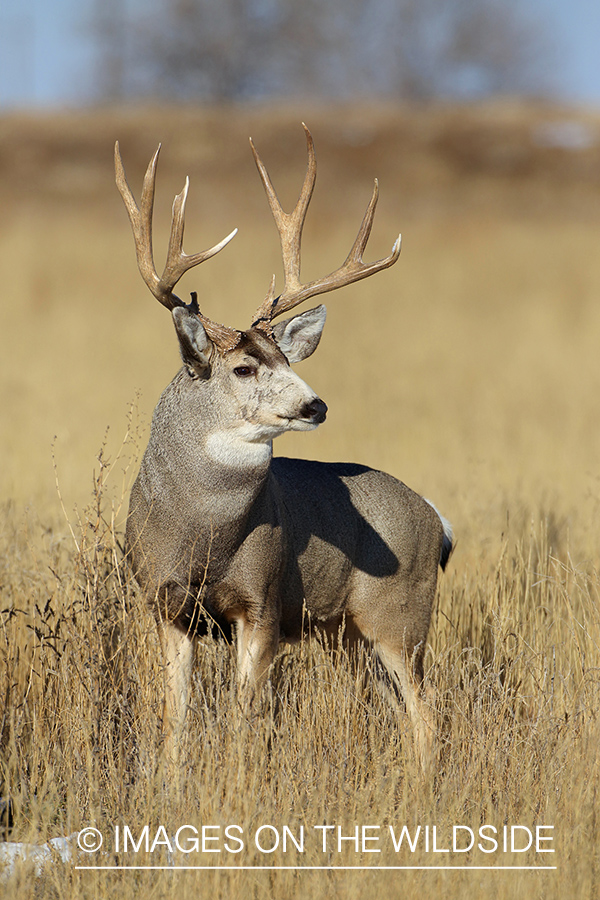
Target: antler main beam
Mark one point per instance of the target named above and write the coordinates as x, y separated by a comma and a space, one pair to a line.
177, 262
140, 217
290, 225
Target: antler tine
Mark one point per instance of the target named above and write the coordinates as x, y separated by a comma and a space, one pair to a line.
353, 268
140, 217
290, 227
141, 220
179, 262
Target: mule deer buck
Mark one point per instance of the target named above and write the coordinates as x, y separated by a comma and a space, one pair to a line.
220, 532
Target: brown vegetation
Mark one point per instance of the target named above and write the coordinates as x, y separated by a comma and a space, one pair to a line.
477, 382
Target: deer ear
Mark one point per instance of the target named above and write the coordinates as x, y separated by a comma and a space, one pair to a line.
299, 337
194, 344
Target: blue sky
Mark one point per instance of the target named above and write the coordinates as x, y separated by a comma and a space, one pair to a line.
47, 53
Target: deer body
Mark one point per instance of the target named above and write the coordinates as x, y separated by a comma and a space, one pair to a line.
221, 534
287, 541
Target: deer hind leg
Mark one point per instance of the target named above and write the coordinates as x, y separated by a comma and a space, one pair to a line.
177, 648
407, 674
256, 648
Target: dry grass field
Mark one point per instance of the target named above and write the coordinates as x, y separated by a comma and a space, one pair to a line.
470, 370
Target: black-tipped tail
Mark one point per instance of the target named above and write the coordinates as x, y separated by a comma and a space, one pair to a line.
446, 551
447, 540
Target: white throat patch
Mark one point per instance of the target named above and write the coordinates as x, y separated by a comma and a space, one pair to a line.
242, 448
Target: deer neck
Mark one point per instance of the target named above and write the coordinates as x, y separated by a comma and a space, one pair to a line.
208, 461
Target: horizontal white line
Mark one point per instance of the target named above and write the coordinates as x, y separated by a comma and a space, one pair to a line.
325, 868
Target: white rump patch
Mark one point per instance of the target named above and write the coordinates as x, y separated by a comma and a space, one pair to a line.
447, 540
446, 525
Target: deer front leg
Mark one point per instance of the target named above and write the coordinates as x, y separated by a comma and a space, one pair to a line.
256, 648
178, 656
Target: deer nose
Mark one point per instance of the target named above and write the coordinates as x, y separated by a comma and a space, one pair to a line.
315, 410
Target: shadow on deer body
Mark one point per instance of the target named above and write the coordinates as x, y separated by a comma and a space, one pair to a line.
261, 547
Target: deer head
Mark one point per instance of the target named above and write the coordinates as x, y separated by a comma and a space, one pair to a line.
265, 397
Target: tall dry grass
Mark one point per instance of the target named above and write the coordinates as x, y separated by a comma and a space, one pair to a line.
470, 370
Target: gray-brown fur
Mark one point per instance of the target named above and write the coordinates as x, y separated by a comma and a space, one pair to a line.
267, 545
220, 532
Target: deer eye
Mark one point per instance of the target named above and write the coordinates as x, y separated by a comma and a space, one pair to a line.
244, 371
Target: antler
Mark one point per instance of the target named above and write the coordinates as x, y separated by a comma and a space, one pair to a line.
290, 227
177, 262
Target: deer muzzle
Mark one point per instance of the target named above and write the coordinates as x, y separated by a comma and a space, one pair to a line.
315, 411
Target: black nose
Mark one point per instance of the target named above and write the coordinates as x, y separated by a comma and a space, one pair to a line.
315, 410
